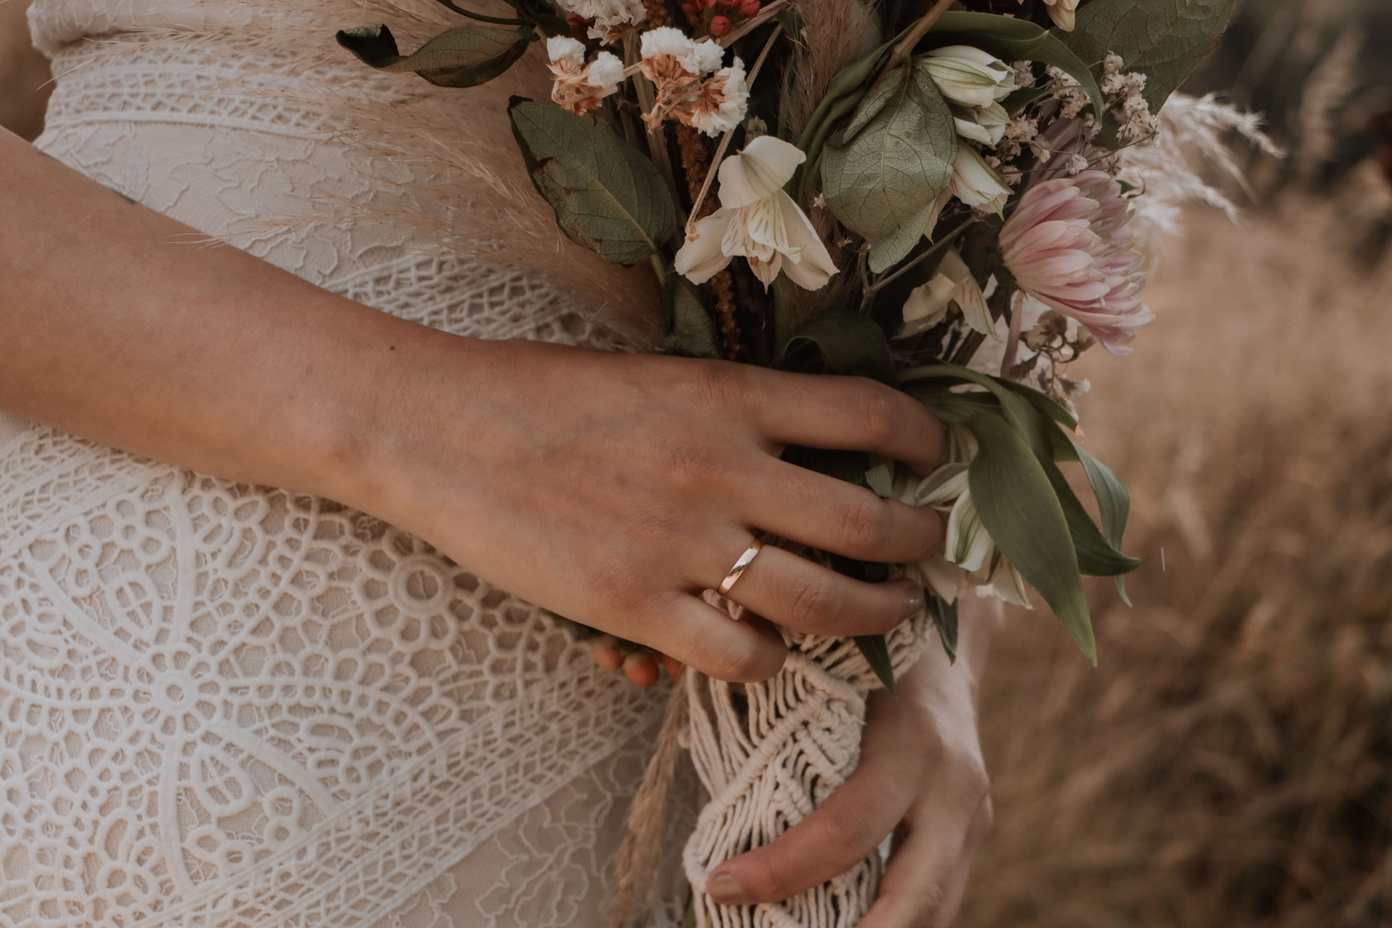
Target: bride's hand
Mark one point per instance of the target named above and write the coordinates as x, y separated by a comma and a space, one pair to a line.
612, 489
921, 777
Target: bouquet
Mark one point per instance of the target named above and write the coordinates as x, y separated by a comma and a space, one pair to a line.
934, 196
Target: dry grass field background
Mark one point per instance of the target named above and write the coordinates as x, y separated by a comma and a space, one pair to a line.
1229, 762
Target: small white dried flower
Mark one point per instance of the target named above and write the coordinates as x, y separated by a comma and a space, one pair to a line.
676, 65
579, 88
611, 17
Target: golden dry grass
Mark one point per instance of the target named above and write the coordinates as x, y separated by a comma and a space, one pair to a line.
1230, 760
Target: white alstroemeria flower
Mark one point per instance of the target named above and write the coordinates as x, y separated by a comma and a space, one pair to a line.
1062, 13
975, 184
953, 284
969, 76
984, 124
579, 88
758, 220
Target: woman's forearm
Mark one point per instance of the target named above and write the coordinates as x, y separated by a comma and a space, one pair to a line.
120, 325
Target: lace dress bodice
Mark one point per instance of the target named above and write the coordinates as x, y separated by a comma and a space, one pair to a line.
224, 705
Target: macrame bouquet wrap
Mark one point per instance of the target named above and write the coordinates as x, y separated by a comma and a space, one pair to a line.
769, 753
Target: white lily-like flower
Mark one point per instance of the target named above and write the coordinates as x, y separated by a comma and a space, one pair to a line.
984, 124
969, 558
758, 220
1062, 12
579, 87
975, 183
952, 285
968, 76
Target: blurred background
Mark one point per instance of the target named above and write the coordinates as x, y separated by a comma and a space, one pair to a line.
1229, 762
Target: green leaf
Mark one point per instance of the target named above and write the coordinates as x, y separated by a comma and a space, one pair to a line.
881, 176
1017, 505
462, 57
1016, 40
1163, 39
1096, 556
944, 616
876, 652
839, 343
881, 480
1113, 501
1023, 97
690, 330
606, 195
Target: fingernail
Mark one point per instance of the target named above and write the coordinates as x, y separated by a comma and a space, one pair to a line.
725, 889
914, 604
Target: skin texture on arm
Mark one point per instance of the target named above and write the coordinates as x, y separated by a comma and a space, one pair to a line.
608, 488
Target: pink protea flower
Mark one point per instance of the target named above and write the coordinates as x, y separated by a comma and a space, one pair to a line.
1067, 246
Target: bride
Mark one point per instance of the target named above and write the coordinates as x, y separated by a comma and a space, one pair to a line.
226, 704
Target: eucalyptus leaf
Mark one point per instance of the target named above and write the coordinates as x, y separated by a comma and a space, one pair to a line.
1012, 39
606, 195
1017, 505
1163, 39
876, 653
839, 343
463, 57
944, 616
882, 176
690, 330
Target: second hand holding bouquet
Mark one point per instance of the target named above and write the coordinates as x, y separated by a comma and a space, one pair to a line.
932, 198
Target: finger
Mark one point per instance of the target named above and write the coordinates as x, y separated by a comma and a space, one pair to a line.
833, 515
851, 413
641, 669
843, 831
605, 651
701, 636
798, 594
673, 666
926, 878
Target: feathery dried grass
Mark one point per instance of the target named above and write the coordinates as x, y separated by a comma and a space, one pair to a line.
1330, 84
1192, 161
1230, 760
834, 34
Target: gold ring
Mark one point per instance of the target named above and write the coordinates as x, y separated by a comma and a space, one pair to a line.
740, 567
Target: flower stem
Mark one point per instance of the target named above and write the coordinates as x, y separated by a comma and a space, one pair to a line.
479, 16
918, 31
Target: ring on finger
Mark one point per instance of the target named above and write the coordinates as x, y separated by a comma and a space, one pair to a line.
740, 567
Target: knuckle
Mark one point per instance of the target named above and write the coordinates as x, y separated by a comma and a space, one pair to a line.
849, 832
740, 664
877, 410
718, 385
934, 906
767, 881
813, 604
864, 525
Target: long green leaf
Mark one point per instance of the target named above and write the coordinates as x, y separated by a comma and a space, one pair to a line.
1163, 39
1113, 502
1096, 556
463, 57
882, 175
944, 616
1017, 505
1012, 39
606, 195
839, 343
876, 652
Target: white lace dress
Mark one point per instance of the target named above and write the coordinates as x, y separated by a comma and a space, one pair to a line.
224, 705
